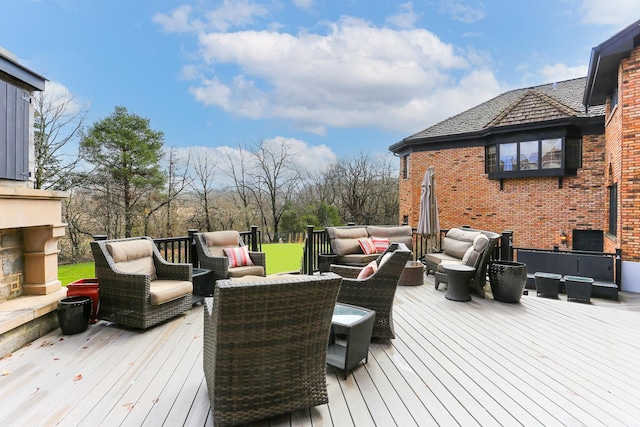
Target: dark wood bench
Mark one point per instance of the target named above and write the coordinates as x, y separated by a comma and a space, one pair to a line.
598, 267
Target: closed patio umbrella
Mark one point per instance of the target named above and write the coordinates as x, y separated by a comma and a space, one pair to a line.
428, 223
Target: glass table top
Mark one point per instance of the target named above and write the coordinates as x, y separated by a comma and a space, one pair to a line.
346, 315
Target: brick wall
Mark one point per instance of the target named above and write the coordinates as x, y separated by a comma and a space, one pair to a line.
629, 153
534, 208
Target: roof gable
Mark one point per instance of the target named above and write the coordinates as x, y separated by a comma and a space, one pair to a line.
543, 104
532, 106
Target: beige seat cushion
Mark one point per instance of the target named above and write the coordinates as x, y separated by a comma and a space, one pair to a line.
472, 256
247, 270
438, 257
168, 290
396, 234
133, 256
218, 240
344, 241
457, 241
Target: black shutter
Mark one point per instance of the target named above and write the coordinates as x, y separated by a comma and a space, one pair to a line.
14, 132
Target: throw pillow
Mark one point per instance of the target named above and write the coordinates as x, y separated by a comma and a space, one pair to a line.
381, 243
367, 246
368, 270
238, 257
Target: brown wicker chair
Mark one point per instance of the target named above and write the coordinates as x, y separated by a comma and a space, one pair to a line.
377, 291
209, 247
138, 288
265, 345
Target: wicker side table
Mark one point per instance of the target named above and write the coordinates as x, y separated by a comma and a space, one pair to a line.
578, 288
412, 274
547, 284
458, 276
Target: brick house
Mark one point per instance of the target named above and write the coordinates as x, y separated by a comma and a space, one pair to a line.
560, 159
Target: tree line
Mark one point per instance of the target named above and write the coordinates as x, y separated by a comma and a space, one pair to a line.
123, 181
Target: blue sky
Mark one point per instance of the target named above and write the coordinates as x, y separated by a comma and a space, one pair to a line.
337, 77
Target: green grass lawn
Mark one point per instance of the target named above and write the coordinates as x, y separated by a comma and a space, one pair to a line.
280, 257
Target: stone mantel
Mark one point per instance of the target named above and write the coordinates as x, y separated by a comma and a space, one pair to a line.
39, 214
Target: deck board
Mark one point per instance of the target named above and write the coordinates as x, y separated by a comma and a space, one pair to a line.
540, 362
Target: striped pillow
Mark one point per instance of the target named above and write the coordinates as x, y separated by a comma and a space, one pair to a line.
367, 246
368, 270
238, 257
381, 243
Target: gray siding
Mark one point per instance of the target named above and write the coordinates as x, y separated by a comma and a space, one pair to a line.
14, 132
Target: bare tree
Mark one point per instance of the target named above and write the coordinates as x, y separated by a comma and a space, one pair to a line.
203, 185
275, 180
242, 192
366, 189
158, 201
58, 120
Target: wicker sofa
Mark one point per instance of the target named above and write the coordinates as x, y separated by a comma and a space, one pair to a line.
138, 288
464, 246
344, 241
265, 345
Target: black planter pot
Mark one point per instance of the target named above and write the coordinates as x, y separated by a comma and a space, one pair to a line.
74, 314
508, 280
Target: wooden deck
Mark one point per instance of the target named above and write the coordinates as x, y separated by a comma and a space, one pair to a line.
541, 362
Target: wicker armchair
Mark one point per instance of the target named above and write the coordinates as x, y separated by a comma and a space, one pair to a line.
265, 345
377, 291
210, 249
479, 279
138, 288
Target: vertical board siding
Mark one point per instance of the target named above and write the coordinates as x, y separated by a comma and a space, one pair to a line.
14, 132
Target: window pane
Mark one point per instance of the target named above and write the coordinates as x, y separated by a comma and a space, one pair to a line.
551, 153
490, 159
508, 156
573, 154
529, 155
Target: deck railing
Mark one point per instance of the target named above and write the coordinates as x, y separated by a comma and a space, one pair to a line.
616, 258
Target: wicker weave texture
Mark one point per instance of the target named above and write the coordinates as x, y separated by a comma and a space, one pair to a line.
124, 298
265, 346
377, 291
220, 264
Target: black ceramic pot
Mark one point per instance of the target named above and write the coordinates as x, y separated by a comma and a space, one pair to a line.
508, 280
74, 314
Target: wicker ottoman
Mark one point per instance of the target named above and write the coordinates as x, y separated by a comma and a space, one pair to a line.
547, 284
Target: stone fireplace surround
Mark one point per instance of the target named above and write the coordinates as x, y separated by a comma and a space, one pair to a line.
30, 227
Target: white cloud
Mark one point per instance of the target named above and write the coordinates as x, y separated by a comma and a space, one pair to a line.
618, 13
405, 18
308, 158
462, 12
59, 96
232, 13
304, 4
355, 75
560, 72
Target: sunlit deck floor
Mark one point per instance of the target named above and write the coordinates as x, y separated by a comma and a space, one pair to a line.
540, 362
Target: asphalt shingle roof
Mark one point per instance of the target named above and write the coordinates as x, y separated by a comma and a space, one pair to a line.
519, 106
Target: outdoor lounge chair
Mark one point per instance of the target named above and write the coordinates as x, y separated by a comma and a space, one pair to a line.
138, 288
377, 291
210, 248
477, 260
265, 345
